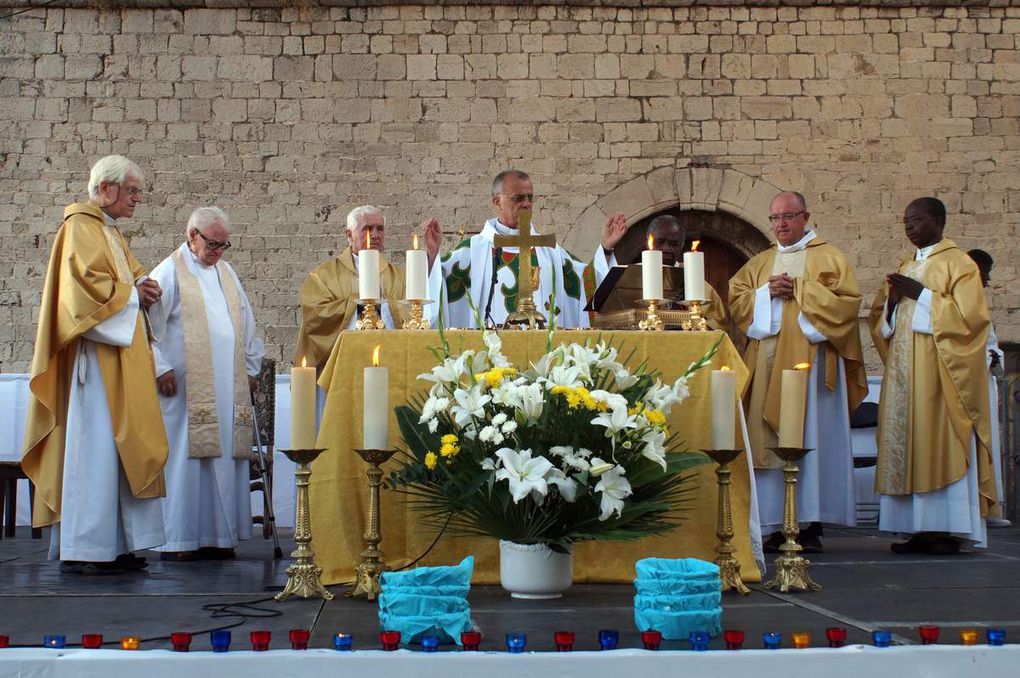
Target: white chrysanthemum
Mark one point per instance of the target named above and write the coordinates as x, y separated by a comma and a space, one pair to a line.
571, 458
498, 419
432, 407
509, 427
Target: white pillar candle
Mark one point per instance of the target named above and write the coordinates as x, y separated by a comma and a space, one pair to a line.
376, 415
417, 272
724, 398
651, 272
791, 409
694, 274
368, 272
302, 407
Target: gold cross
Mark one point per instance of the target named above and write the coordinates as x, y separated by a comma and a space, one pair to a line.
525, 242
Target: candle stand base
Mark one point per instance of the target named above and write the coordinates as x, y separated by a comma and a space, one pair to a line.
303, 574
369, 319
366, 576
729, 568
791, 567
695, 321
415, 319
652, 321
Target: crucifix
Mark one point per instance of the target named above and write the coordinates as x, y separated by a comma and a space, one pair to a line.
526, 316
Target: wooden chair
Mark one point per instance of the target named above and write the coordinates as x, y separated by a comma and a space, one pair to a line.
10, 474
265, 412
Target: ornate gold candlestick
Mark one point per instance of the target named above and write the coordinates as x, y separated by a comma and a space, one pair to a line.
416, 321
695, 322
366, 577
791, 567
729, 568
369, 319
303, 574
652, 321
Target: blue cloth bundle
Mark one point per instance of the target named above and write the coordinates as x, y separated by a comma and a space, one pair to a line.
427, 601
676, 597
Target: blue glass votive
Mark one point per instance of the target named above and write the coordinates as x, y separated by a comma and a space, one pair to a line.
429, 643
55, 642
515, 642
772, 640
996, 636
609, 639
699, 640
343, 642
881, 638
220, 640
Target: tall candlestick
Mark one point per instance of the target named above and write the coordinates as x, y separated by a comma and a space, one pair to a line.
368, 271
651, 272
376, 416
694, 274
724, 398
791, 409
417, 268
302, 407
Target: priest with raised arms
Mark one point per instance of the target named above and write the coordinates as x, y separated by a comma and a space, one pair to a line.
95, 446
205, 361
481, 274
798, 302
930, 324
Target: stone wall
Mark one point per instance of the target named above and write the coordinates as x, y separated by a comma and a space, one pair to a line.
288, 117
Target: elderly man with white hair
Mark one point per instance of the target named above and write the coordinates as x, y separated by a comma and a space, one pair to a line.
330, 292
95, 446
208, 355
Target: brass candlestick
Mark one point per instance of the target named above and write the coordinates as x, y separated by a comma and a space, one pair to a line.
366, 577
369, 319
729, 568
303, 574
416, 321
695, 322
791, 567
652, 321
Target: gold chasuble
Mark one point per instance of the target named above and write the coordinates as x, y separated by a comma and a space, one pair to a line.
826, 291
89, 279
329, 301
935, 388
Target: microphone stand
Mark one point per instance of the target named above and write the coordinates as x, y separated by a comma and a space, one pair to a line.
497, 253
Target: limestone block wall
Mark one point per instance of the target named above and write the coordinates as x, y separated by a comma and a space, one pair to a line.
290, 114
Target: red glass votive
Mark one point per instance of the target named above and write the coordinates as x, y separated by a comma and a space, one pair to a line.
564, 641
5, 641
836, 635
651, 639
180, 641
470, 640
390, 640
260, 640
299, 639
734, 639
929, 634
92, 641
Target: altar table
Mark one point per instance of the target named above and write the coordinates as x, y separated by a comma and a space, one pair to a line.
339, 488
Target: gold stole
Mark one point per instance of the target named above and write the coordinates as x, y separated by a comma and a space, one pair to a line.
765, 388
203, 422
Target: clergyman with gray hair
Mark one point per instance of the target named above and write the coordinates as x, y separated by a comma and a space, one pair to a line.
95, 446
206, 362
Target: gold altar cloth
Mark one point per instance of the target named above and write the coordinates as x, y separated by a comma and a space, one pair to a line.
339, 488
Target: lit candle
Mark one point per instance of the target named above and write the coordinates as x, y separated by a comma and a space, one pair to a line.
376, 418
694, 274
791, 410
724, 397
417, 266
302, 407
651, 272
368, 271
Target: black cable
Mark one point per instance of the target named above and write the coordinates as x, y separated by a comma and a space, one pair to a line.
22, 11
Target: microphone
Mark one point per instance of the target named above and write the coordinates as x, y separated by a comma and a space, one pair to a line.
497, 254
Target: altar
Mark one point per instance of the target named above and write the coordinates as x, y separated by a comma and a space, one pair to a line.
339, 491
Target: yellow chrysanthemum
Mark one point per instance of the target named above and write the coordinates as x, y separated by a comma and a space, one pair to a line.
655, 417
449, 450
636, 409
430, 460
449, 438
495, 376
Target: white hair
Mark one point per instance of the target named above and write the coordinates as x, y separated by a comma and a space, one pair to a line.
203, 217
358, 213
114, 169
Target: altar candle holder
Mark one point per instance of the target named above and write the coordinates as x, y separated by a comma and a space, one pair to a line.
791, 567
303, 574
366, 576
652, 322
369, 319
729, 568
695, 321
416, 319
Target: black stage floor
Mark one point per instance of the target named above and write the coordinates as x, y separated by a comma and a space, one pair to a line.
865, 587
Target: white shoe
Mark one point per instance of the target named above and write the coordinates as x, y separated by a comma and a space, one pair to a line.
995, 521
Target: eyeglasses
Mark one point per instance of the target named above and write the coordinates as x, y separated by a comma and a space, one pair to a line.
214, 244
785, 216
520, 197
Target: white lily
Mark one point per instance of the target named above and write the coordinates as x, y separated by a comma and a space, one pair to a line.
655, 447
624, 379
562, 375
450, 371
615, 421
470, 403
614, 400
566, 486
660, 397
532, 400
494, 346
614, 488
524, 474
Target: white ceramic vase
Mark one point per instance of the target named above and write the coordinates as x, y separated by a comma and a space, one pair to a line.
534, 571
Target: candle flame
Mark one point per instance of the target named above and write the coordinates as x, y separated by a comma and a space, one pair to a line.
724, 368
651, 242
694, 245
415, 241
375, 355
802, 366
368, 240
304, 360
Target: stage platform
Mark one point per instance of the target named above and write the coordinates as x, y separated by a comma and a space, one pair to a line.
866, 587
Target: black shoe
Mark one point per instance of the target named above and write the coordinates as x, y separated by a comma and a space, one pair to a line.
809, 543
101, 568
71, 566
772, 544
131, 562
918, 543
214, 553
945, 546
178, 556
